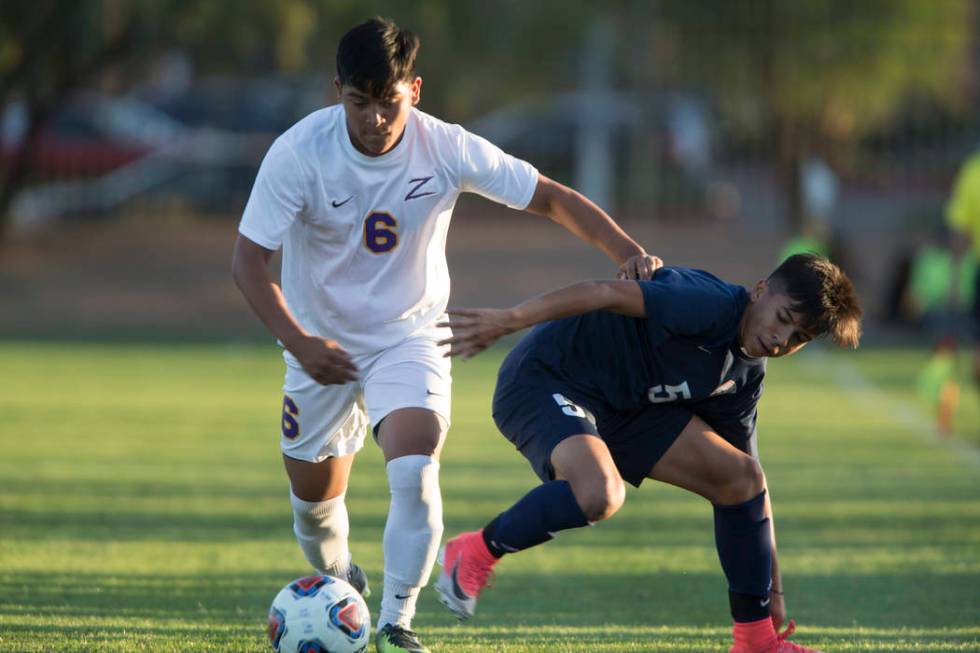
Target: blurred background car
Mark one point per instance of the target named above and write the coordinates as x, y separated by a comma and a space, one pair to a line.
90, 135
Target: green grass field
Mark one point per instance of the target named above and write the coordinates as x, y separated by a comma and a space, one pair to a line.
143, 508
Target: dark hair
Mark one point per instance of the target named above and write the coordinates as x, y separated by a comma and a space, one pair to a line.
823, 295
376, 55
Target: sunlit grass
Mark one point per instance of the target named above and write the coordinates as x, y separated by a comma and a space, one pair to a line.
143, 508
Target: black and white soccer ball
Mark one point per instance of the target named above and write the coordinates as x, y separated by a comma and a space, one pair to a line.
319, 614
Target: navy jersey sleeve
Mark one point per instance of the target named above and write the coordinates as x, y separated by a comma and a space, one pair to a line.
690, 304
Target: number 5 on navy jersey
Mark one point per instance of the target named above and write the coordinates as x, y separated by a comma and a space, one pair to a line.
380, 232
659, 394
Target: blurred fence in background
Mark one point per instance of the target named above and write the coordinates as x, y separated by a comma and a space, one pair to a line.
666, 110
834, 122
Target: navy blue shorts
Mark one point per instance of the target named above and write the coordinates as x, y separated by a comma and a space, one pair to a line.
536, 409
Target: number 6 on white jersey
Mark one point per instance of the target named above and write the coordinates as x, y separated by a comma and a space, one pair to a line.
380, 232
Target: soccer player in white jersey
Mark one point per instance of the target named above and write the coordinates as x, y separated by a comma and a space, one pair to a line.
359, 197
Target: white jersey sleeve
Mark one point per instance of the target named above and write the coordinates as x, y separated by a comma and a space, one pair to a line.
278, 197
487, 170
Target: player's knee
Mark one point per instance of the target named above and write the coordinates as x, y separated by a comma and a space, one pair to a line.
601, 500
320, 520
414, 484
742, 480
748, 481
411, 432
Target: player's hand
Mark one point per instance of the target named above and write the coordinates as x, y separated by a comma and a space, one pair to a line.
641, 266
475, 329
324, 360
777, 610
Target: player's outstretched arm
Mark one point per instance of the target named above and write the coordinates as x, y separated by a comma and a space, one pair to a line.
475, 329
323, 359
586, 220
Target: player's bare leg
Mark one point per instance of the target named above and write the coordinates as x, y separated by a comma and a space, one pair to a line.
411, 439
704, 463
320, 522
587, 488
585, 462
318, 481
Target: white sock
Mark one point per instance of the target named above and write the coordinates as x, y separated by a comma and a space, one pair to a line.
412, 535
321, 528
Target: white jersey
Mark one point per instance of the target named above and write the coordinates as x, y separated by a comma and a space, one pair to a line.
364, 238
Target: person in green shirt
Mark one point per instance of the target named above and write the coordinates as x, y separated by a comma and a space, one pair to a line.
963, 217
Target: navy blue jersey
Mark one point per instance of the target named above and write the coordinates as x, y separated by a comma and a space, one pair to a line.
684, 350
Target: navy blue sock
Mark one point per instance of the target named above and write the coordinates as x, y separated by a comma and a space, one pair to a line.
535, 518
745, 549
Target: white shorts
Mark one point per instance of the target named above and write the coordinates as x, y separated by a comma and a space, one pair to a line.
324, 421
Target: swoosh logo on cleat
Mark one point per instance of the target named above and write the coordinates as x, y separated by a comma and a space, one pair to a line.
457, 590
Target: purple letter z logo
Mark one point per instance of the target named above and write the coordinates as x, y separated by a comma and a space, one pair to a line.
419, 182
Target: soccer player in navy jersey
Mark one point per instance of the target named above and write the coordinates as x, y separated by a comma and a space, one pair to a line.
629, 380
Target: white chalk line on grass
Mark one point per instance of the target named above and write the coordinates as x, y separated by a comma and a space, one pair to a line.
874, 400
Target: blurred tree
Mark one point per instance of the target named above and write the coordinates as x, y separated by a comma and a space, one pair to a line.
51, 48
47, 49
810, 78
805, 77
474, 54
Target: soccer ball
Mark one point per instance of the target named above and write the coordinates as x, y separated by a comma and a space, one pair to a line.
319, 614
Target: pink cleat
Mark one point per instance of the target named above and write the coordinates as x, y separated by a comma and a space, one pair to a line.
785, 646
467, 565
772, 642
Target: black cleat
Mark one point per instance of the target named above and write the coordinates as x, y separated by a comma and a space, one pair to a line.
358, 580
395, 639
